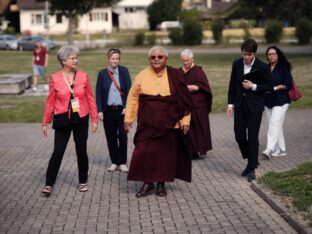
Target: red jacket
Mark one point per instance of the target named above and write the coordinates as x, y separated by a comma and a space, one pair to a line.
59, 97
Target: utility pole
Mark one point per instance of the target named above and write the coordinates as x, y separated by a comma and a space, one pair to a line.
46, 18
87, 32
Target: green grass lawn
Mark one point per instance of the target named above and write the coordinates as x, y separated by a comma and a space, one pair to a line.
217, 67
296, 184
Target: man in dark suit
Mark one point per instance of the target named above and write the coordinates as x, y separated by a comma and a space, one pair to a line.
246, 101
112, 88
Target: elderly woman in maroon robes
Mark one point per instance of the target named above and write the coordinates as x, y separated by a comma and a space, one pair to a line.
199, 137
160, 100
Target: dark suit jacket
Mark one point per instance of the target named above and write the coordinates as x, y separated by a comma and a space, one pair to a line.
254, 99
103, 85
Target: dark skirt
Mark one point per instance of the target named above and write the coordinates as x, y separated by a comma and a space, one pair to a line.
161, 159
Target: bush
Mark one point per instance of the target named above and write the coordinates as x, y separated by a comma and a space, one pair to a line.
176, 36
139, 38
9, 30
303, 31
151, 39
192, 32
217, 29
273, 31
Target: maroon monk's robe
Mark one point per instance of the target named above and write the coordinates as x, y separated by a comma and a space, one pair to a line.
160, 152
199, 136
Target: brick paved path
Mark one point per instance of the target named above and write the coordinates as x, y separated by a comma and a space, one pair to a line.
217, 201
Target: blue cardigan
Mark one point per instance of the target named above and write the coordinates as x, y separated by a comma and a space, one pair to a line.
279, 97
103, 85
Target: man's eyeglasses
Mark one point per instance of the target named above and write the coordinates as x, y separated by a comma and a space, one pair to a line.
154, 57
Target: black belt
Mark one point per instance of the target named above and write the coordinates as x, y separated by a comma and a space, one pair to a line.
115, 107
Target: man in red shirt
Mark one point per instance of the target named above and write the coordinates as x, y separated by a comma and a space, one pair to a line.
40, 62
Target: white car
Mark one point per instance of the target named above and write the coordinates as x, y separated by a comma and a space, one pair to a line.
167, 25
8, 42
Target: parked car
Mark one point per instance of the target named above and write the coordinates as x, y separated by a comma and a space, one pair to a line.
8, 42
29, 42
167, 25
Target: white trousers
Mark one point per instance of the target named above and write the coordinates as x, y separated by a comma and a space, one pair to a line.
275, 135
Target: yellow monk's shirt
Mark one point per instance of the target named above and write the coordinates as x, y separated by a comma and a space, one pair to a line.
147, 82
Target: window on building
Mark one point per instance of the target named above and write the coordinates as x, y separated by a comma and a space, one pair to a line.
98, 16
37, 18
59, 18
129, 9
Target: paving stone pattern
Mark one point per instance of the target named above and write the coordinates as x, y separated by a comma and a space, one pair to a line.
218, 200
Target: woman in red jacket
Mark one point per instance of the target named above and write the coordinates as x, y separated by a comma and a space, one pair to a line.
70, 101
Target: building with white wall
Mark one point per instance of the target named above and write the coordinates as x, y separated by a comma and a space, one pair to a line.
131, 14
33, 19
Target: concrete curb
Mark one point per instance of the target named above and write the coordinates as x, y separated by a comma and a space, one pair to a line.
280, 209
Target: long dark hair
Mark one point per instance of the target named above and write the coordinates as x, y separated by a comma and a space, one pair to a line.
282, 61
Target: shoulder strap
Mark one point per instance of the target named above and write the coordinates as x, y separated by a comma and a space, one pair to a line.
114, 82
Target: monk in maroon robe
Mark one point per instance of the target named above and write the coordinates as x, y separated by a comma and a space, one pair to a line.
199, 136
160, 99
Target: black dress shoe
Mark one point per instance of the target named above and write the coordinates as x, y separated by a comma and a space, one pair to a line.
251, 176
161, 190
145, 190
246, 171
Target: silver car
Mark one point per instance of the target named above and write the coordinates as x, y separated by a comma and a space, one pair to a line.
29, 42
8, 42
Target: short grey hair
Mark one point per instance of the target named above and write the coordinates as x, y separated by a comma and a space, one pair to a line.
188, 53
64, 52
158, 48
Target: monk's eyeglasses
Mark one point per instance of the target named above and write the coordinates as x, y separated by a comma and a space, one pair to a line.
154, 57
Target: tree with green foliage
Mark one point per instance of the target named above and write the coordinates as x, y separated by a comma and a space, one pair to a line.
163, 10
72, 9
192, 14
191, 32
262, 10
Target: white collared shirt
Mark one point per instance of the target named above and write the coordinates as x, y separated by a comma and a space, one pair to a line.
247, 69
114, 96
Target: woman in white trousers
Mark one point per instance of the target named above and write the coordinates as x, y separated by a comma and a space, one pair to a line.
277, 102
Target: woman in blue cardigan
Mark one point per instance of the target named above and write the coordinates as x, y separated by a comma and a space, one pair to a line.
277, 102
112, 88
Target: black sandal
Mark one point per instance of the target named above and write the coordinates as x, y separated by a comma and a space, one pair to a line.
47, 190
